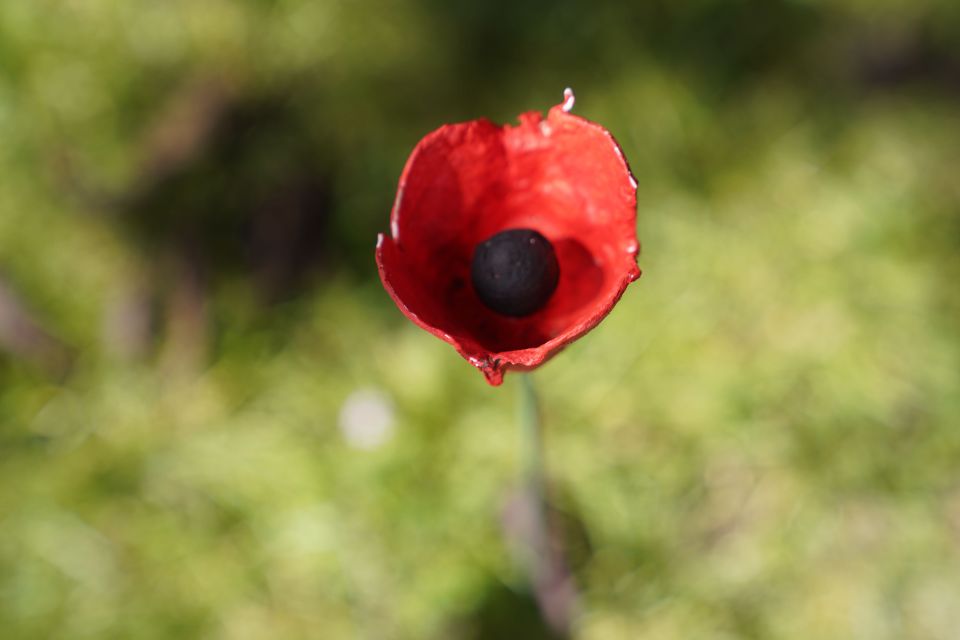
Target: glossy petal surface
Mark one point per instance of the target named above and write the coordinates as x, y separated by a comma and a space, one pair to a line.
562, 176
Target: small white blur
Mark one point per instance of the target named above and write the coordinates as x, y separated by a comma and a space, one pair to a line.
367, 419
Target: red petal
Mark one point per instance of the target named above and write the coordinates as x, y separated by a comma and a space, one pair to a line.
564, 176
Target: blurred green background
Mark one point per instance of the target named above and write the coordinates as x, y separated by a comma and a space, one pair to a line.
214, 423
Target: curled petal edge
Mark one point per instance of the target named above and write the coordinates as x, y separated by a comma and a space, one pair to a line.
494, 364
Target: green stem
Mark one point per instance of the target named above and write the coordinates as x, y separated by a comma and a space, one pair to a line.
533, 460
550, 578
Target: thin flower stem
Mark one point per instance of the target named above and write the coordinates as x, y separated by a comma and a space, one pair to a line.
553, 585
532, 434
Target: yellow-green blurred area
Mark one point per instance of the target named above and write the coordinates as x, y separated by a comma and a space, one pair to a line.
215, 424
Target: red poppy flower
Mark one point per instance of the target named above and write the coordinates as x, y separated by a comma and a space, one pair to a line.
563, 177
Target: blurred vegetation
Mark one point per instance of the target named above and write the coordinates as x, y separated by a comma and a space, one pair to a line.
761, 441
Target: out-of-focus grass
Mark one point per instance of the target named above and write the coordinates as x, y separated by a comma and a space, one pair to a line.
760, 442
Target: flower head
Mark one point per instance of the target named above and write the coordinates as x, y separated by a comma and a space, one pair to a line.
480, 213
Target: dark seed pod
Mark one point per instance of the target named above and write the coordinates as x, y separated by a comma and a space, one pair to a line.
515, 272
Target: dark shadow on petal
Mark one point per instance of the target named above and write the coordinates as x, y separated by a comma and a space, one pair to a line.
581, 285
581, 278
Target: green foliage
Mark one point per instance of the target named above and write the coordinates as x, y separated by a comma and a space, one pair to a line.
760, 442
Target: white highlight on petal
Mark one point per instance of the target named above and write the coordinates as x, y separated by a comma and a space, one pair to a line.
367, 419
394, 226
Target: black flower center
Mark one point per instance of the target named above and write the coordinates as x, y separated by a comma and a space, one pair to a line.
515, 272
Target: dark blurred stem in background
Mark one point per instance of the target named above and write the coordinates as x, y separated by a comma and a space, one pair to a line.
187, 330
552, 582
25, 338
